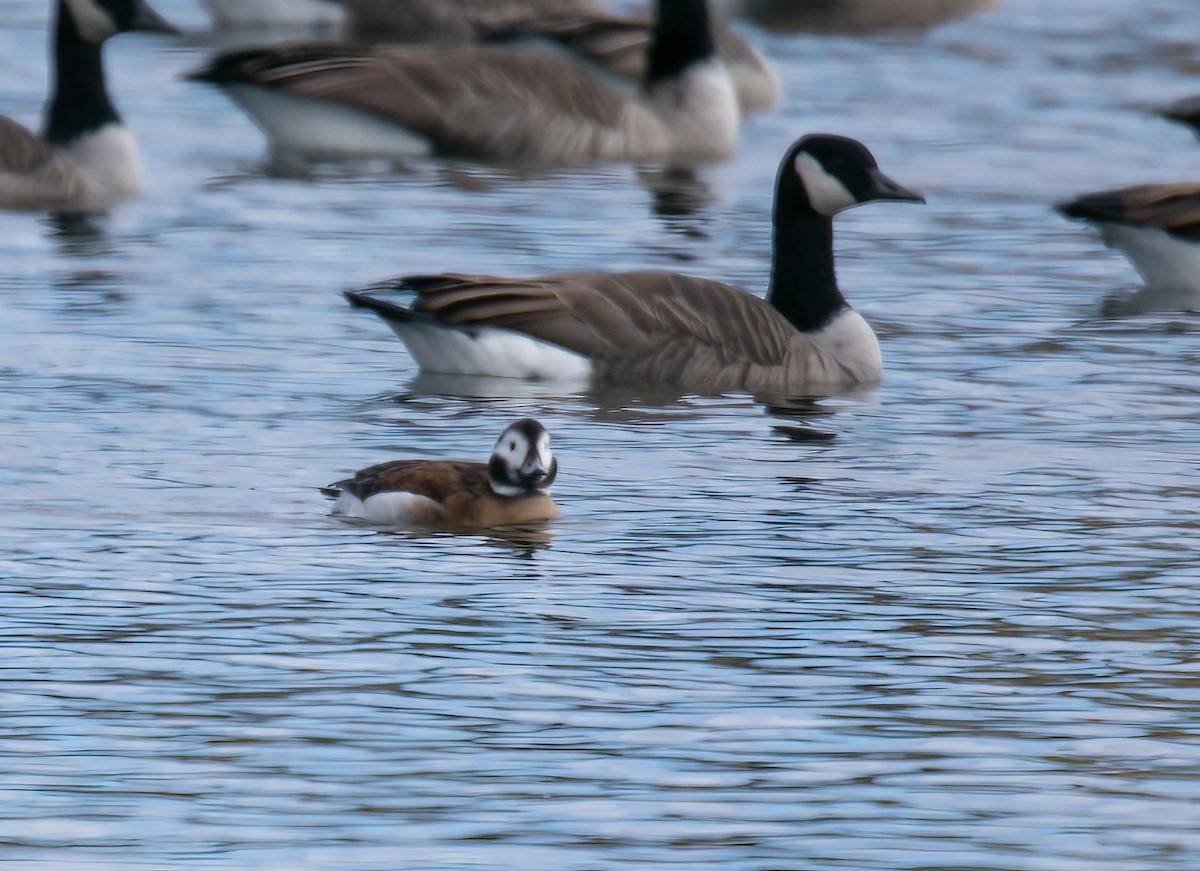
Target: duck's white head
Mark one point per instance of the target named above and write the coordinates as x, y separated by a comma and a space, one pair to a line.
521, 462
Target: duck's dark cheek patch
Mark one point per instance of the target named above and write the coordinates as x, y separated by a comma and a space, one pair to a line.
498, 469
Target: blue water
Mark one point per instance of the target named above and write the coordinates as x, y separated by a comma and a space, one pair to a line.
962, 634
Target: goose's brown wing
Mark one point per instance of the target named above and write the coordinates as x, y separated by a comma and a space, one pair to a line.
644, 318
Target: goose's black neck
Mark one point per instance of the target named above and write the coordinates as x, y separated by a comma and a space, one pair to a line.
681, 38
803, 283
79, 103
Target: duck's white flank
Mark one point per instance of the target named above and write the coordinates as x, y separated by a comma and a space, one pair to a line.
394, 507
315, 127
1164, 261
490, 351
849, 339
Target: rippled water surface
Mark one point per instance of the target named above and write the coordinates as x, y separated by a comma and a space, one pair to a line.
961, 634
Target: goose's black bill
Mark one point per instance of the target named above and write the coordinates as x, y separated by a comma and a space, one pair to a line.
884, 188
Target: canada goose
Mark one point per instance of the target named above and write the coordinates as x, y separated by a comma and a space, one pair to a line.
491, 103
512, 487
87, 160
662, 327
1156, 226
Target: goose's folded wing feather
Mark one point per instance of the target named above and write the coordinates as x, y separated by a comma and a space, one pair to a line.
608, 316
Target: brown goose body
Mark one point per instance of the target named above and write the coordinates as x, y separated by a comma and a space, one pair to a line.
502, 104
650, 326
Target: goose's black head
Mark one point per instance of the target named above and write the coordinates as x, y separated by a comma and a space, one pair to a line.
820, 175
681, 38
521, 462
97, 20
826, 174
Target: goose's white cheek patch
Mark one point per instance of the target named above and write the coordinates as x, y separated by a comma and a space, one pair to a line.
826, 194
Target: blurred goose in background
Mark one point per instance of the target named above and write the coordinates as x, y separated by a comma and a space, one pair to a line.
512, 487
87, 160
655, 327
1156, 226
498, 104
